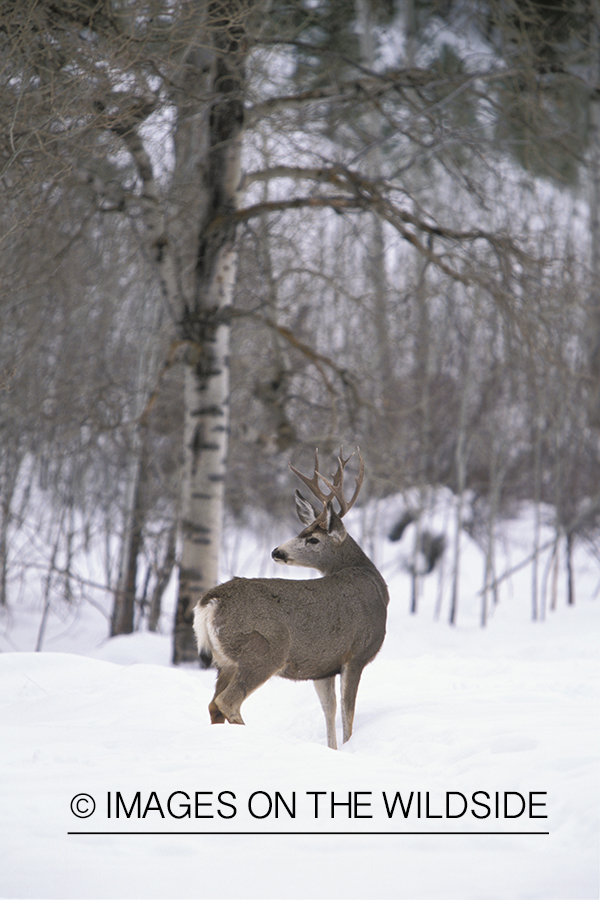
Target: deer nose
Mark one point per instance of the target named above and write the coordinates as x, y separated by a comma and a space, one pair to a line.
279, 554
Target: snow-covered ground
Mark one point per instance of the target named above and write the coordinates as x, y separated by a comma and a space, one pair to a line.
491, 736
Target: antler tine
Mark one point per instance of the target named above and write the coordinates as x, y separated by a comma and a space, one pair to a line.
337, 487
313, 483
359, 478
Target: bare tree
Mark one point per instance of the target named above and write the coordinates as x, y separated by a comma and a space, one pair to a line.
132, 118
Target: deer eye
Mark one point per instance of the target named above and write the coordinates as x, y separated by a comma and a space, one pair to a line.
312, 540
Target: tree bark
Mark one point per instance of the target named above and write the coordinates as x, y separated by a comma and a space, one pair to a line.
205, 325
163, 577
192, 240
123, 614
594, 168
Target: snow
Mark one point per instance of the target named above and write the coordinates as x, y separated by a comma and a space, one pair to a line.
443, 714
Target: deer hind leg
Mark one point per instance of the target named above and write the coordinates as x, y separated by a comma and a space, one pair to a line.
350, 679
258, 662
325, 688
223, 679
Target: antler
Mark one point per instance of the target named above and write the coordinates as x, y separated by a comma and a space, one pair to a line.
336, 489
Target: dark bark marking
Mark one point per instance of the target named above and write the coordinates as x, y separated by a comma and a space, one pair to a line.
190, 575
212, 410
191, 528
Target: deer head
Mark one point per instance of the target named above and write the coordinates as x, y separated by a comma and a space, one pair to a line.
317, 546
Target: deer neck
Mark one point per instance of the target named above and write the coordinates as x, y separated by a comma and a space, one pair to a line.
350, 556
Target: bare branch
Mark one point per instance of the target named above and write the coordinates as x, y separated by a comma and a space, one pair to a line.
397, 218
367, 88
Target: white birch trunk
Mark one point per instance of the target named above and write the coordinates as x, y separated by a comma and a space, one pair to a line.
206, 431
209, 145
194, 254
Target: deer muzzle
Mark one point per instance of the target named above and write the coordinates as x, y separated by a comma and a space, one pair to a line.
279, 555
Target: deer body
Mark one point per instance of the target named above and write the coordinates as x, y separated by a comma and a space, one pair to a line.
311, 629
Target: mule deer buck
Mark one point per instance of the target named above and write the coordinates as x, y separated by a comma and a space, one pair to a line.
312, 629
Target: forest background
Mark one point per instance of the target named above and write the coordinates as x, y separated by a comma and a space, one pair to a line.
232, 231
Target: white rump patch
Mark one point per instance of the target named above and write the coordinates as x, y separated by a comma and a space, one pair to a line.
206, 633
201, 615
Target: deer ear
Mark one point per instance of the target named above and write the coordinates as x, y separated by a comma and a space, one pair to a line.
335, 526
305, 510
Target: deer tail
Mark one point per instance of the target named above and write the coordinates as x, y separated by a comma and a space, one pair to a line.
202, 613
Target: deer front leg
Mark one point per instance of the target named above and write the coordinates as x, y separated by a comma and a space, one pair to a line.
350, 679
325, 688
